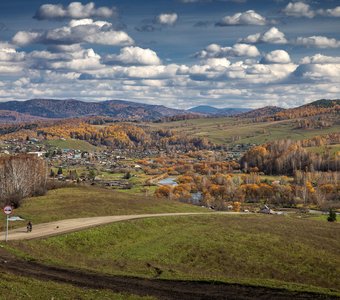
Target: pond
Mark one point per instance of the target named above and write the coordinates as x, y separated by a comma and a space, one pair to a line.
168, 181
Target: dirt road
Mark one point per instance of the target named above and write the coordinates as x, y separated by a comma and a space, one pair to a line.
158, 288
70, 225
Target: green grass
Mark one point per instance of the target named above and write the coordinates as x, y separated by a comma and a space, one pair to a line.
231, 130
73, 144
318, 217
274, 251
18, 287
332, 149
88, 201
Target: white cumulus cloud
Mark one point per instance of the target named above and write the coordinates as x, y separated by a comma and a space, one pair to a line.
77, 31
216, 51
249, 17
167, 19
22, 38
75, 10
320, 59
276, 57
272, 36
299, 9
331, 12
85, 60
318, 41
134, 56
318, 72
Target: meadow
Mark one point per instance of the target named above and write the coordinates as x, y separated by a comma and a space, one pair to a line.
273, 251
331, 149
19, 287
72, 144
237, 131
89, 201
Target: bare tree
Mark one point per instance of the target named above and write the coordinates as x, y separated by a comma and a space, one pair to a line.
21, 176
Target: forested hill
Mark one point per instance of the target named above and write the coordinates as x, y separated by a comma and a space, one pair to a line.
119, 109
262, 112
35, 109
319, 107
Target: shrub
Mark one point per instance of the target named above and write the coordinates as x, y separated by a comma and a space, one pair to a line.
331, 216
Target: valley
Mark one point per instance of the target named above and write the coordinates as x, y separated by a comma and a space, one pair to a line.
203, 200
170, 150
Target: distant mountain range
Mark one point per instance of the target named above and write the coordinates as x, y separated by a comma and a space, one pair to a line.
40, 109
210, 110
117, 109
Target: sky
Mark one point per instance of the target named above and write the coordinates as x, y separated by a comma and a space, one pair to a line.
177, 53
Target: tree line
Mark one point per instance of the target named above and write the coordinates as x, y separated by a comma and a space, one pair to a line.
286, 157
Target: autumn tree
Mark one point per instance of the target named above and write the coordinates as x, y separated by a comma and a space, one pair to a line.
21, 176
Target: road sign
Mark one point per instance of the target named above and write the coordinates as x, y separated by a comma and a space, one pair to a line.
8, 210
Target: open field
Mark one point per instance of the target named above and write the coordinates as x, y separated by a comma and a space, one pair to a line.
72, 144
274, 251
332, 149
19, 287
60, 227
88, 201
231, 130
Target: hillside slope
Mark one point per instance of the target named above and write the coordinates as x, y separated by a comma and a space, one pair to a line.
262, 112
9, 117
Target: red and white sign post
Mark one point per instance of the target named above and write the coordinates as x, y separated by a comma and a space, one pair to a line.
7, 210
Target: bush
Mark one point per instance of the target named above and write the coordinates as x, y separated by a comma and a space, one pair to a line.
127, 175
331, 216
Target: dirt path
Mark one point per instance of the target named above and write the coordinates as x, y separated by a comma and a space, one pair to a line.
70, 225
158, 288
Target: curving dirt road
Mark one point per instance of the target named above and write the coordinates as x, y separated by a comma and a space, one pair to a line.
158, 288
71, 225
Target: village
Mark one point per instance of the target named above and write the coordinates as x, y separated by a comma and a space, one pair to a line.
106, 159
208, 178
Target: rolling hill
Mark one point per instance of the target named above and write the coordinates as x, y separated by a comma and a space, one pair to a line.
210, 110
323, 103
9, 117
316, 108
118, 109
262, 112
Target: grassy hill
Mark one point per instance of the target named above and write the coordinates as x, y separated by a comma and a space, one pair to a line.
19, 287
331, 149
78, 202
73, 144
235, 131
275, 251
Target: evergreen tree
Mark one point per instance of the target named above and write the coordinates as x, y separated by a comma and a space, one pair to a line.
331, 216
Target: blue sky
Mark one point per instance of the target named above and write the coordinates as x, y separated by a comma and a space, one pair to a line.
179, 53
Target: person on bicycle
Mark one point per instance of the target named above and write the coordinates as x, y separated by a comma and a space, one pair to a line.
29, 226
